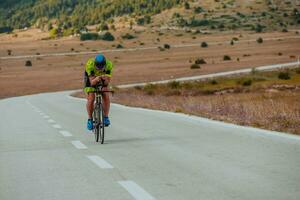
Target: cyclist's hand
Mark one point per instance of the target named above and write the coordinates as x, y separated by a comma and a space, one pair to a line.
99, 79
104, 79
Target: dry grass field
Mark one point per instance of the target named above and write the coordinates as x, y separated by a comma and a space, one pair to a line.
260, 100
57, 73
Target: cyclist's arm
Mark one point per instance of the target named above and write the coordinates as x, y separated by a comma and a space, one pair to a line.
94, 80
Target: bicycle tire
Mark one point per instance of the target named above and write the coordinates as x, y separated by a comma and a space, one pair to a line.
101, 127
96, 119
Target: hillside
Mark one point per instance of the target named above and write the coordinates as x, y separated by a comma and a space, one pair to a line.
75, 13
253, 15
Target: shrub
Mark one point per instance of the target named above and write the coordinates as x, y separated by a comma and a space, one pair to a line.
102, 27
259, 28
167, 46
138, 87
89, 36
279, 54
107, 37
232, 42
187, 5
174, 84
195, 66
28, 63
213, 82
247, 82
298, 70
149, 88
6, 29
284, 75
128, 36
226, 57
119, 46
204, 45
144, 20
259, 40
198, 9
9, 52
200, 61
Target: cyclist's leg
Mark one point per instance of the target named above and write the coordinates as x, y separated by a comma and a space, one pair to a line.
90, 96
106, 102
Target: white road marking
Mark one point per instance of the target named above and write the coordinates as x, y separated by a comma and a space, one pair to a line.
46, 116
51, 121
135, 190
57, 126
65, 133
78, 144
100, 162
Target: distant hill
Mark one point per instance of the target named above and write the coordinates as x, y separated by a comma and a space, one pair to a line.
257, 15
75, 13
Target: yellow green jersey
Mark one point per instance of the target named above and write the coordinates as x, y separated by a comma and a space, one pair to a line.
91, 70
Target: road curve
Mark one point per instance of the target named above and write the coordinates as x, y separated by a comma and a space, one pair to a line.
46, 153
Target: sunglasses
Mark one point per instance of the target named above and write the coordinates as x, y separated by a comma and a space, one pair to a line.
100, 65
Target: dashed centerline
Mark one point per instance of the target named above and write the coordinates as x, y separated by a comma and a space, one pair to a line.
135, 190
51, 121
57, 126
65, 133
78, 144
100, 162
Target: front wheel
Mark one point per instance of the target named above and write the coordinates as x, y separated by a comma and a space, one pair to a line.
98, 116
96, 120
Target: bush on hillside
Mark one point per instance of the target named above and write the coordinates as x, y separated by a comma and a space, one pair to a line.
204, 45
6, 29
226, 57
167, 46
119, 46
102, 27
128, 36
28, 63
107, 37
284, 75
247, 82
89, 36
200, 61
259, 40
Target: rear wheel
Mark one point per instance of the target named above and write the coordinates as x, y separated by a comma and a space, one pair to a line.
101, 127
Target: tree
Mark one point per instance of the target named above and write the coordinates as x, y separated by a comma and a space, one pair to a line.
54, 33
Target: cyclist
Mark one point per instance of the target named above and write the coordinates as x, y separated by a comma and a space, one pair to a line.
97, 70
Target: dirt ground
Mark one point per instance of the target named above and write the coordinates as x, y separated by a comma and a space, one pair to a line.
57, 73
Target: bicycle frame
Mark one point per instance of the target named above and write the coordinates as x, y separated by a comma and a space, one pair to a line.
98, 114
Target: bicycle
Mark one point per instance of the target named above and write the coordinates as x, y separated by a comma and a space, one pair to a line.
98, 114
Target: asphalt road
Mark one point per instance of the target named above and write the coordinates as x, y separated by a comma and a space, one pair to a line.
46, 153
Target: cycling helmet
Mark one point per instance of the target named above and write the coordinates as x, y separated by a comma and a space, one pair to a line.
100, 61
